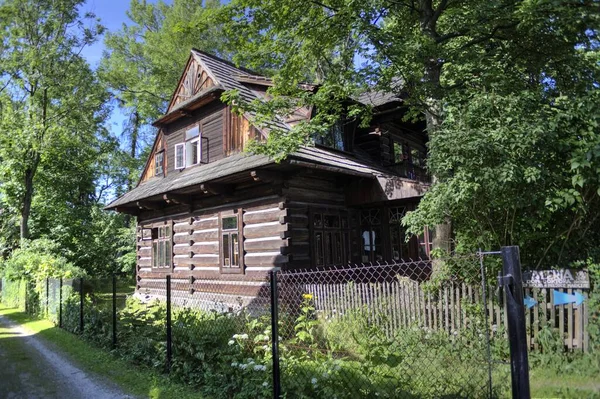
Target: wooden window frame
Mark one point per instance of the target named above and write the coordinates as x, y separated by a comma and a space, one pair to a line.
404, 245
167, 239
240, 269
343, 230
425, 241
182, 165
381, 241
160, 153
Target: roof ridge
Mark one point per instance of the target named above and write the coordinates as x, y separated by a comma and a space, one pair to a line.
224, 61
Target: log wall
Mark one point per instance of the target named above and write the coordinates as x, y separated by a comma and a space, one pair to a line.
197, 271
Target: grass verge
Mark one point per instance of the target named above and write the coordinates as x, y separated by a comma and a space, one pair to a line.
549, 384
134, 380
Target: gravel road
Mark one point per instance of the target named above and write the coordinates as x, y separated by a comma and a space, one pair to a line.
29, 369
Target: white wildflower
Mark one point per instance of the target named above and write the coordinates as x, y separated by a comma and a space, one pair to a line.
314, 381
243, 336
325, 375
231, 342
235, 336
265, 347
234, 364
243, 366
265, 384
260, 367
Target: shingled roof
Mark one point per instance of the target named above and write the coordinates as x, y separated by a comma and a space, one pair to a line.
227, 77
342, 163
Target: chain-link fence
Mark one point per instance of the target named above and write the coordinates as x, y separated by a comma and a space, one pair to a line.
413, 329
14, 293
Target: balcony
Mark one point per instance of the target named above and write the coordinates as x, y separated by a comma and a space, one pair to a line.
412, 172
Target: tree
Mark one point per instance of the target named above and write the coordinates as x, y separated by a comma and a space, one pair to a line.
439, 55
143, 62
51, 99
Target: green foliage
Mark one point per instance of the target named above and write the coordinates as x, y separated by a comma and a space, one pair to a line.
14, 293
36, 261
511, 171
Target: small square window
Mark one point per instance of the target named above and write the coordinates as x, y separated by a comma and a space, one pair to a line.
230, 223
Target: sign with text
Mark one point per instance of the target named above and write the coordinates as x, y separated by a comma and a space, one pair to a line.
560, 278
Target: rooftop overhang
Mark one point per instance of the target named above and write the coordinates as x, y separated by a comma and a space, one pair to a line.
183, 109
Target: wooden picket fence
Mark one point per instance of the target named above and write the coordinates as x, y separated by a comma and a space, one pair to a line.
405, 303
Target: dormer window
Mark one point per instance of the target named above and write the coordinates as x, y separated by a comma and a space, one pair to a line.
159, 163
334, 138
189, 153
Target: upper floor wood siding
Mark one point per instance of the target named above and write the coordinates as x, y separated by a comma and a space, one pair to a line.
210, 120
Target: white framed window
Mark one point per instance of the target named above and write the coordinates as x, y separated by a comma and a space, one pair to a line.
180, 156
192, 152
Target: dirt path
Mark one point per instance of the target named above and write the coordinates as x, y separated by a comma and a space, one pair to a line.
30, 370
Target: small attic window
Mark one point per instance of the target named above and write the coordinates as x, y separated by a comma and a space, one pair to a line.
159, 163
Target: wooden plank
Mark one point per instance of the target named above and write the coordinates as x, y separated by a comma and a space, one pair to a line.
429, 312
544, 306
578, 328
570, 322
259, 230
561, 320
446, 310
263, 216
552, 309
585, 311
536, 320
452, 309
206, 247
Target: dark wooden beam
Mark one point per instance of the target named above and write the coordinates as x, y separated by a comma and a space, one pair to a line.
129, 211
177, 199
148, 205
216, 188
266, 176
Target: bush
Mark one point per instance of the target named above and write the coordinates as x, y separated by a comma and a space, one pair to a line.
33, 263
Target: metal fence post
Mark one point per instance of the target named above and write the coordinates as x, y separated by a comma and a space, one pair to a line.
275, 335
513, 287
60, 303
114, 311
81, 305
169, 337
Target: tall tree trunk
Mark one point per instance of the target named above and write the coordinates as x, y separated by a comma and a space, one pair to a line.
434, 108
26, 206
135, 132
433, 118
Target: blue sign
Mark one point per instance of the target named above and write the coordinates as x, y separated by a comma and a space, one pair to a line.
561, 298
529, 302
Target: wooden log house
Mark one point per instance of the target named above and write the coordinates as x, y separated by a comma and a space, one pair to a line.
207, 211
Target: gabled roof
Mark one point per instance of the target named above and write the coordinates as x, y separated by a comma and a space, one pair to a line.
225, 76
338, 162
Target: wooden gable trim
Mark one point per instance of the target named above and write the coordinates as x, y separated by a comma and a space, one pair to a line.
203, 78
158, 145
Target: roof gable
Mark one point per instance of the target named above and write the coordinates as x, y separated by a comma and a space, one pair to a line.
195, 78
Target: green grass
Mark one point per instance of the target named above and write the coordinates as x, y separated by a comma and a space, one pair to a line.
549, 384
138, 381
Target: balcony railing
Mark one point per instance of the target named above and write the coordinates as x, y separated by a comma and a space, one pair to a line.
411, 171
